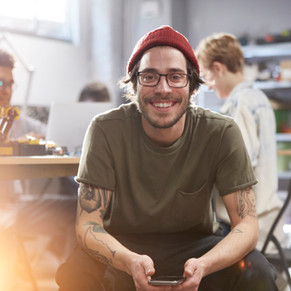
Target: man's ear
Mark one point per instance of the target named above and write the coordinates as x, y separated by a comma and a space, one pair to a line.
218, 68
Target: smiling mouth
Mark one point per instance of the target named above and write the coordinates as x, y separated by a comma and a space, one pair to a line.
162, 104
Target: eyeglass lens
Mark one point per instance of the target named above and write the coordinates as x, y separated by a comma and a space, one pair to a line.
4, 84
175, 80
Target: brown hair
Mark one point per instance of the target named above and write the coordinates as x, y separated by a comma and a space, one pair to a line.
223, 48
94, 92
6, 59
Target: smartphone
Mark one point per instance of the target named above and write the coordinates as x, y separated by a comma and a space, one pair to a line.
167, 280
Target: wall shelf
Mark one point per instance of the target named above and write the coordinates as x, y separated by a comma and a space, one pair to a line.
281, 91
284, 175
272, 85
254, 53
283, 137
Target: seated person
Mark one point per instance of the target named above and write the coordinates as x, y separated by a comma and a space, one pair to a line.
146, 176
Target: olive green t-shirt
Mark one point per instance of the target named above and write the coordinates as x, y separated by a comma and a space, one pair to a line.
163, 189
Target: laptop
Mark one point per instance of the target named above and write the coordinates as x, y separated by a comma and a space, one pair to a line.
68, 122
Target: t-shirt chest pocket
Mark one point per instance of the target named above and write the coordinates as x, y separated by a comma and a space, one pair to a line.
192, 208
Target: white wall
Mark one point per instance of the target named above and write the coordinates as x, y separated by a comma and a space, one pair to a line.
60, 68
118, 24
107, 45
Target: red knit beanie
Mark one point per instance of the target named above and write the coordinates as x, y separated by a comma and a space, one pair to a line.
164, 35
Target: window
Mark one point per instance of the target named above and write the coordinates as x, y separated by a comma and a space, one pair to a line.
47, 18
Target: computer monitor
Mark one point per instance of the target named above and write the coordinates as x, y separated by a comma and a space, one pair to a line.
68, 122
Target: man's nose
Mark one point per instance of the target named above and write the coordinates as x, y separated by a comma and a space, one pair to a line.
163, 85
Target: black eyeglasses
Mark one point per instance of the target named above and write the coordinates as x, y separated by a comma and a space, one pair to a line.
4, 84
152, 79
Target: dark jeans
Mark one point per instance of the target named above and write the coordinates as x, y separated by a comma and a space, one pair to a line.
82, 273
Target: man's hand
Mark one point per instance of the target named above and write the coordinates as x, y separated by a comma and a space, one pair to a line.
142, 268
194, 272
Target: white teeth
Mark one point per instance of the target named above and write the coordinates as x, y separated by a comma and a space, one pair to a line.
162, 105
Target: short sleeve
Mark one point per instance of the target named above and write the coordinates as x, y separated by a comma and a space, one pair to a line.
96, 166
234, 169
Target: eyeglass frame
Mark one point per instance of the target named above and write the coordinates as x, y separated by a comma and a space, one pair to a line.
6, 84
160, 75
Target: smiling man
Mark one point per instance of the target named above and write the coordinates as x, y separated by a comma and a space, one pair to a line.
146, 176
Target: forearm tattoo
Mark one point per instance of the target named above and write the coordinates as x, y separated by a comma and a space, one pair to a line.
245, 202
95, 227
236, 230
92, 198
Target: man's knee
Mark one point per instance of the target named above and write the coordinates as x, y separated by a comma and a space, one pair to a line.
256, 273
253, 273
80, 272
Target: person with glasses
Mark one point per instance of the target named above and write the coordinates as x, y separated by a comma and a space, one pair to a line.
10, 200
222, 65
146, 176
24, 125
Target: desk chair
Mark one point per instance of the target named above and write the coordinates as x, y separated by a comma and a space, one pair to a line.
282, 259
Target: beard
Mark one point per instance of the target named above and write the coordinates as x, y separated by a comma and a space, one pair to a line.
162, 122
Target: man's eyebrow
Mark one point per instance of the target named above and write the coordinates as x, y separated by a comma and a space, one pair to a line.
146, 70
172, 70
177, 70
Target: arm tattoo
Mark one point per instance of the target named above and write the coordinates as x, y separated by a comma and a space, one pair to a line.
91, 198
245, 203
236, 230
95, 227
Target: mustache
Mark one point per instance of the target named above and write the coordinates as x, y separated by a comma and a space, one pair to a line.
159, 98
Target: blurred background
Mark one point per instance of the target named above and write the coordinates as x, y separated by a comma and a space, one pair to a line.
62, 45
68, 43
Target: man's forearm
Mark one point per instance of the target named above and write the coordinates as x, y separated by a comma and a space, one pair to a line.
103, 247
92, 205
234, 247
243, 237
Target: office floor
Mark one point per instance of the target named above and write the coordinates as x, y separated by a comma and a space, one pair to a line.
37, 234
49, 249
37, 257
43, 265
